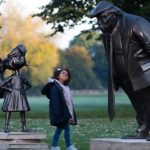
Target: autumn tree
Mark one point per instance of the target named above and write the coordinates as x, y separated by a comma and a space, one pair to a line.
1, 1
79, 62
42, 55
64, 15
97, 53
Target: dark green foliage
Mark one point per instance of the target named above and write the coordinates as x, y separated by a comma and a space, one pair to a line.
137, 7
68, 13
65, 13
97, 52
79, 62
85, 40
100, 63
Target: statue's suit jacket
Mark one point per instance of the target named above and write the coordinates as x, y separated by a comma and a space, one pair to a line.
135, 37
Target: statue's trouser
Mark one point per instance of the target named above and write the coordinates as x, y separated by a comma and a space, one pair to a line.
144, 95
23, 120
141, 103
7, 118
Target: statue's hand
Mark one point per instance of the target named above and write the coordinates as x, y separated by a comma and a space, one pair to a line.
10, 90
6, 88
70, 121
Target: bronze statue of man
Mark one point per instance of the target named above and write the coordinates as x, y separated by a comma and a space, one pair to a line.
126, 39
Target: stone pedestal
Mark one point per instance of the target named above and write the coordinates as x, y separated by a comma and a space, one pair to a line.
22, 141
119, 144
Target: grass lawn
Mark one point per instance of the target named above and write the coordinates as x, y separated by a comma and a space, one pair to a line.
85, 106
83, 132
92, 116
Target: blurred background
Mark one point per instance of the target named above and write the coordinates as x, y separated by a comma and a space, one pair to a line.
60, 34
66, 48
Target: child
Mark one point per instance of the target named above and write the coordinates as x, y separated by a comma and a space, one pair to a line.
61, 110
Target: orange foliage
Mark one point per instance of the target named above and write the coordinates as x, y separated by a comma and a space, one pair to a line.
42, 55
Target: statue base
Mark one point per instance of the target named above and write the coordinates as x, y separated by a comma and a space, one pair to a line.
22, 141
119, 144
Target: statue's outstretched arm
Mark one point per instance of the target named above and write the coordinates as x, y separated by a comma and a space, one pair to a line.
28, 84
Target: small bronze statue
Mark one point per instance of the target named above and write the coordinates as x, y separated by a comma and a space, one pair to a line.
13, 88
126, 39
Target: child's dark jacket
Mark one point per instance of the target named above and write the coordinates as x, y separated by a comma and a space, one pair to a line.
58, 110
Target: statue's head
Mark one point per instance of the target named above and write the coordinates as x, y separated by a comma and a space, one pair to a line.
16, 58
20, 50
107, 14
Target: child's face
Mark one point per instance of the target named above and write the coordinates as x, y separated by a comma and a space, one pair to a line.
63, 76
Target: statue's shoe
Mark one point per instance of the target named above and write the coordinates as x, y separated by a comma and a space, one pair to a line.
27, 130
137, 136
148, 138
6, 130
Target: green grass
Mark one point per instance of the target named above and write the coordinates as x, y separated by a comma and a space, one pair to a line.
93, 121
85, 106
81, 134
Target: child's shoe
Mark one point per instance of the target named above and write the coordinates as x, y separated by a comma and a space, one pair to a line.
72, 147
55, 148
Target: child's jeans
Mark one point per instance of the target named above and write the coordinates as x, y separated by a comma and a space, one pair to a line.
66, 136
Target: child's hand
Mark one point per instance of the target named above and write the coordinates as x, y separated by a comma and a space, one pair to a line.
70, 121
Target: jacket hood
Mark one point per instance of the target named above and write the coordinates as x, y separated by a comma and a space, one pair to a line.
50, 80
